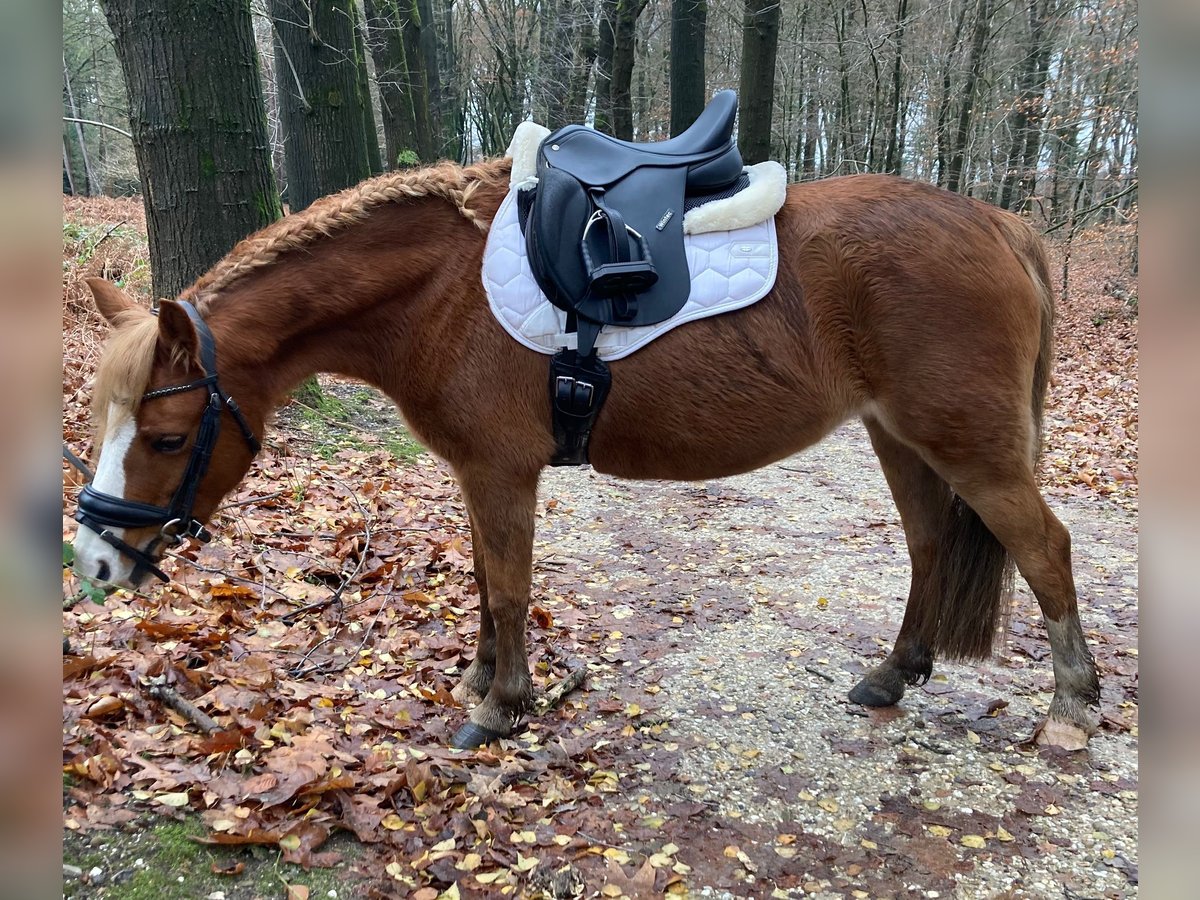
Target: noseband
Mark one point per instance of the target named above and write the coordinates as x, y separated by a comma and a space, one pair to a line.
98, 510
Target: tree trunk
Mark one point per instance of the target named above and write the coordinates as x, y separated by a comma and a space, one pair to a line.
68, 178
983, 14
585, 42
554, 63
895, 147
427, 42
89, 185
1031, 109
688, 91
370, 134
606, 47
199, 130
386, 43
319, 102
453, 116
760, 39
943, 151
624, 44
845, 131
425, 129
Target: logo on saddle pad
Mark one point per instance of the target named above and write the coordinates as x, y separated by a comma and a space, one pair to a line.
662, 223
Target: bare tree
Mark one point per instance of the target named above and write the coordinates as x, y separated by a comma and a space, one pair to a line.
199, 129
688, 94
760, 39
320, 103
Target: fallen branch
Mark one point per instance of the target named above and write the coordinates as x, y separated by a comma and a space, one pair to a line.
169, 697
813, 670
553, 697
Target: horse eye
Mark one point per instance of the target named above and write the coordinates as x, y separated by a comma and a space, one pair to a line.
168, 443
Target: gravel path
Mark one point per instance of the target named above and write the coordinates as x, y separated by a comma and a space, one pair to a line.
788, 582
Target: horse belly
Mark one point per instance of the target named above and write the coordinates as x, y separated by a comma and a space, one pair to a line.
645, 437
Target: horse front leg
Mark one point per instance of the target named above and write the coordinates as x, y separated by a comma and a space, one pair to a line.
476, 681
502, 514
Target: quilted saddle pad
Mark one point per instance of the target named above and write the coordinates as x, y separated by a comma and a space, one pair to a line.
729, 269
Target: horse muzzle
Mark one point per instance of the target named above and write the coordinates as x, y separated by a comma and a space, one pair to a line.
108, 518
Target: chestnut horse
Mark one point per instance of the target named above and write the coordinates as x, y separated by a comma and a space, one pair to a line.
923, 313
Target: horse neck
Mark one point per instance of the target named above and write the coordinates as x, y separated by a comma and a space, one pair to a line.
346, 304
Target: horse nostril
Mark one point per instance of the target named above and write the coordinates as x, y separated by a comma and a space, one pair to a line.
103, 571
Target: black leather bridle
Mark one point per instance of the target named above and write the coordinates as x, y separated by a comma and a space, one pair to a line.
99, 511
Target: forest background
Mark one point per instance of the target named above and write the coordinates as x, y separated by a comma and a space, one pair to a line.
1028, 104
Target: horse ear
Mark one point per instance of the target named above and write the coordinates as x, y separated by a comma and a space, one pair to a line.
110, 299
177, 338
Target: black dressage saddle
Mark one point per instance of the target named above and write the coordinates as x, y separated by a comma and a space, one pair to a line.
604, 238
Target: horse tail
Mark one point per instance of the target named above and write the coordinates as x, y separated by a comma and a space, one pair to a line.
973, 571
972, 581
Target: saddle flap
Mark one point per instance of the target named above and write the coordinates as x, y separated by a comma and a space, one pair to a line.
560, 209
651, 203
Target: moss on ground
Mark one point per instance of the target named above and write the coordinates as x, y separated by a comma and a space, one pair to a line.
348, 417
160, 859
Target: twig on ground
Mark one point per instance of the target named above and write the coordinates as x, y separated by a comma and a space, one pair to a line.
250, 500
555, 695
300, 669
335, 599
329, 668
229, 575
935, 748
813, 670
169, 697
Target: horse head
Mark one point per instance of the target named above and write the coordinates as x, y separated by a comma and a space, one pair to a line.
165, 461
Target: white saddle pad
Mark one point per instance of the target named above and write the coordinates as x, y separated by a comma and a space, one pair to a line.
730, 270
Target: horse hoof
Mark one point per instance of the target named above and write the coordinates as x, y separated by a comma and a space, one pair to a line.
471, 736
1064, 735
868, 693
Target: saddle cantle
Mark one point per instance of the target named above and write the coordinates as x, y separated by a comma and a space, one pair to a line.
604, 239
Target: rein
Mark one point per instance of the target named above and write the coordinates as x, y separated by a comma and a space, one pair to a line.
99, 511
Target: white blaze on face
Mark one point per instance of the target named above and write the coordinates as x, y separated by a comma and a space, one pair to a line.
93, 556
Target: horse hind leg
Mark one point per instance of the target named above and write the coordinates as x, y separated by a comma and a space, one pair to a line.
1015, 512
955, 563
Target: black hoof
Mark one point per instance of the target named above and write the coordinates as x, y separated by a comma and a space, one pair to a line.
868, 693
471, 736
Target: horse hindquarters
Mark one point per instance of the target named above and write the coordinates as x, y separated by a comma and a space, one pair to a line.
958, 440
961, 542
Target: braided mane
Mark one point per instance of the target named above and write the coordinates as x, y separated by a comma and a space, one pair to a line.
337, 211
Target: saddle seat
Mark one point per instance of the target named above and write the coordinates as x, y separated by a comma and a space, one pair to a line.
706, 149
